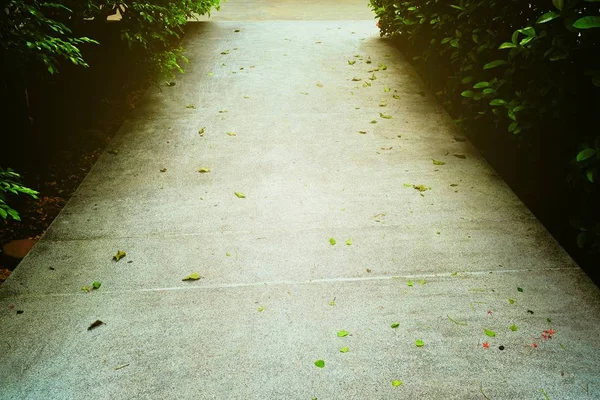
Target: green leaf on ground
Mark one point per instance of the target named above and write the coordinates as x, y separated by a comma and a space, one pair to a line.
204, 170
382, 115
342, 333
201, 131
120, 254
386, 89
344, 350
396, 97
365, 84
419, 343
382, 66
319, 84
513, 328
490, 333
408, 185
349, 242
362, 132
422, 281
332, 241
457, 322
320, 363
372, 77
396, 383
438, 162
190, 106
210, 73
240, 195
373, 122
368, 61
261, 308
332, 302
462, 156
355, 79
96, 285
227, 254
409, 283
520, 289
231, 134
113, 152
194, 276
420, 188
383, 103
351, 62
511, 301
395, 325
225, 52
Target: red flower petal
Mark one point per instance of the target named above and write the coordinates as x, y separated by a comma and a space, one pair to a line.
486, 345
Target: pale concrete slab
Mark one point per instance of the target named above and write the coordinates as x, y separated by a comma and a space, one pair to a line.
291, 10
214, 343
308, 175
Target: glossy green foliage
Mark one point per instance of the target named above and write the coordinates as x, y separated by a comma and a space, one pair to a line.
529, 69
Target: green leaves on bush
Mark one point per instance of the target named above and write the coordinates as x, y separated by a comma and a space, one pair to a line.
587, 23
585, 154
549, 16
45, 31
495, 64
10, 183
530, 69
32, 33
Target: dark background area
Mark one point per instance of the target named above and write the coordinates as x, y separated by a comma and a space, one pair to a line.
71, 117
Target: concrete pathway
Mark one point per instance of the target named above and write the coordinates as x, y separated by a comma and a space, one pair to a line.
446, 259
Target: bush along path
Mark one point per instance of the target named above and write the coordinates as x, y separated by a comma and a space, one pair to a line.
53, 130
529, 79
38, 39
295, 217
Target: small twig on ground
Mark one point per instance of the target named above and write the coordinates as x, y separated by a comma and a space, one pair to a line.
481, 390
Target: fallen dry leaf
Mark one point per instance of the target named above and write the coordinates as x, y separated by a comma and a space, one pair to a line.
95, 324
192, 277
120, 254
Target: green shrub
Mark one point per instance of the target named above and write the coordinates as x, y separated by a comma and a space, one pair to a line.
151, 27
36, 34
10, 183
28, 37
148, 27
531, 69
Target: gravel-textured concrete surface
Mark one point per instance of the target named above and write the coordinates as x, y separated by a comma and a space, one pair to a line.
446, 263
